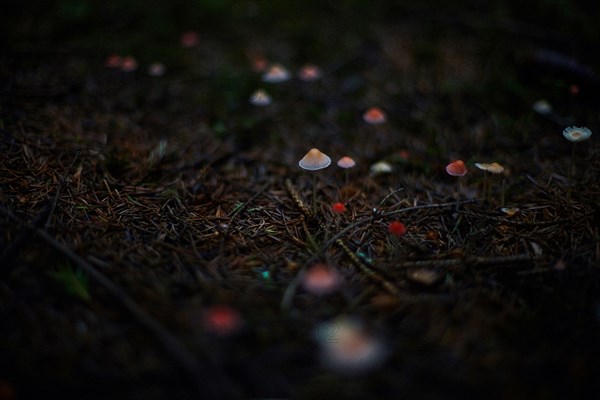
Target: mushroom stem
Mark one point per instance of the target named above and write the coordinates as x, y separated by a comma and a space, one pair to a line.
571, 167
314, 196
458, 190
486, 187
502, 193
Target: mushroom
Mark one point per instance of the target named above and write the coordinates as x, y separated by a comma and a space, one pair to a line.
346, 163
189, 39
114, 61
380, 167
314, 160
129, 64
276, 73
374, 116
221, 320
575, 135
347, 346
260, 98
156, 69
321, 279
309, 73
493, 168
457, 168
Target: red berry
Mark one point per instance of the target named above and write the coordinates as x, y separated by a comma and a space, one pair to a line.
338, 208
397, 228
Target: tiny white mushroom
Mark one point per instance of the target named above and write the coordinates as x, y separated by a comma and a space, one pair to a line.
276, 73
260, 98
381, 167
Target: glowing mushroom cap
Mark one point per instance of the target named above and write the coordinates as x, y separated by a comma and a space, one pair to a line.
129, 64
314, 160
542, 107
275, 74
309, 73
156, 69
321, 279
456, 168
575, 134
260, 98
348, 347
494, 167
114, 61
222, 320
189, 39
381, 167
346, 162
374, 116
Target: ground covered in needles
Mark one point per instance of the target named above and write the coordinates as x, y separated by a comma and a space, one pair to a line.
159, 238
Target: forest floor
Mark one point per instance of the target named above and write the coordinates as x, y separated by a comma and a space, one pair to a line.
135, 207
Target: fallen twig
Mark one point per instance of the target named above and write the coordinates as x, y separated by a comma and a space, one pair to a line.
471, 260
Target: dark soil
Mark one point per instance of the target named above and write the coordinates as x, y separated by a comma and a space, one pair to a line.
130, 204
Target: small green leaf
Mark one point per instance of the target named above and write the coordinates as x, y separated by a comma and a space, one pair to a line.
75, 282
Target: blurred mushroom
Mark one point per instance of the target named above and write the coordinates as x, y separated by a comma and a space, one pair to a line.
380, 167
374, 116
260, 98
348, 347
276, 73
321, 279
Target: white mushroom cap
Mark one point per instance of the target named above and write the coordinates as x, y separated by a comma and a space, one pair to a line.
276, 73
346, 162
575, 134
542, 107
381, 167
314, 160
260, 98
494, 167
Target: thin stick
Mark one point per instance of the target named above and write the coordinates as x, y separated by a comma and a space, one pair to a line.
473, 261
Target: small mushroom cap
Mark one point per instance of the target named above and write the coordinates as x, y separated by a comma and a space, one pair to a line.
347, 346
321, 279
374, 116
494, 167
114, 61
381, 167
346, 162
189, 39
575, 134
260, 98
314, 160
156, 69
129, 64
309, 73
456, 168
542, 107
276, 73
